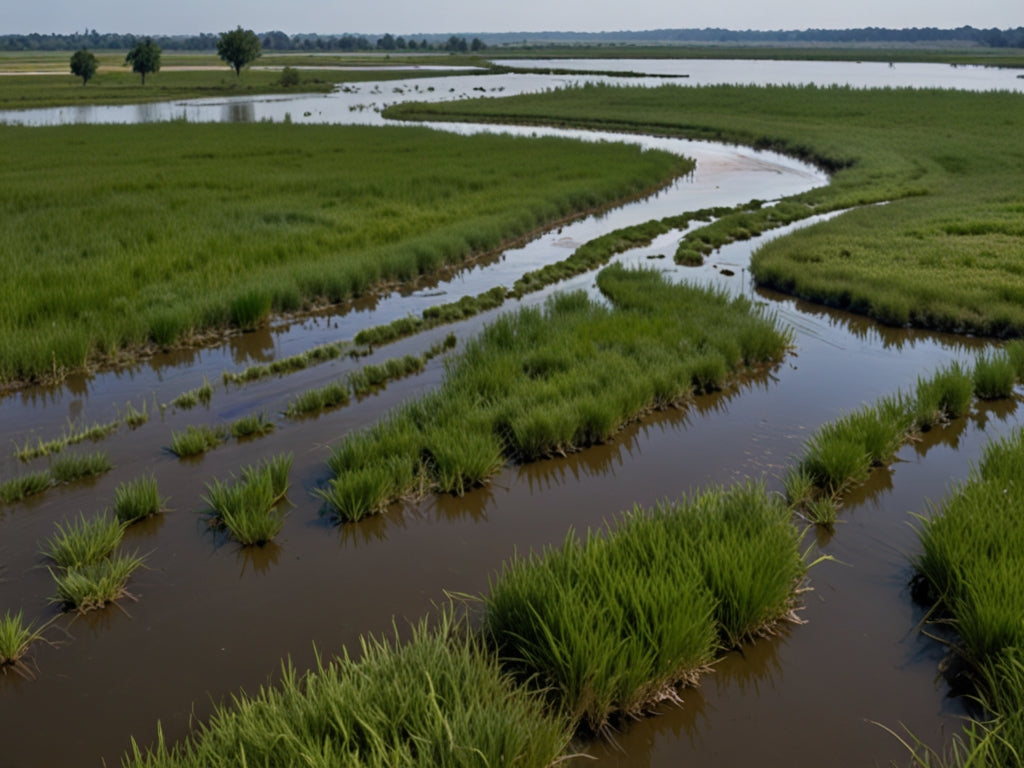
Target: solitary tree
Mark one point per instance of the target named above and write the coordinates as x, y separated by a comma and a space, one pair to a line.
144, 58
238, 48
83, 65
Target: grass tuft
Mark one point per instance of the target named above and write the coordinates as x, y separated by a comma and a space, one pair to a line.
96, 585
196, 440
68, 469
254, 425
84, 542
137, 499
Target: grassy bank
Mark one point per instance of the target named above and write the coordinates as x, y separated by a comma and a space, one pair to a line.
541, 382
943, 253
973, 555
280, 217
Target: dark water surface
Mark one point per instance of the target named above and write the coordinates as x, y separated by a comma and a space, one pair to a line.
212, 619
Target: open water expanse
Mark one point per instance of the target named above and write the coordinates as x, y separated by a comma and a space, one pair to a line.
211, 619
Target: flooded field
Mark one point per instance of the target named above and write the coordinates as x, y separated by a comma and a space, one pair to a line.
211, 619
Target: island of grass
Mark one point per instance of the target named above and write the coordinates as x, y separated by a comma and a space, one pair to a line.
542, 382
279, 218
943, 253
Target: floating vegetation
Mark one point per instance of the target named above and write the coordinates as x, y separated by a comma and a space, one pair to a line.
610, 624
254, 425
196, 440
248, 507
72, 436
546, 381
69, 468
84, 542
137, 499
193, 397
437, 699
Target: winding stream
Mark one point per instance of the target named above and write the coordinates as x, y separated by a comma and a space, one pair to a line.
211, 619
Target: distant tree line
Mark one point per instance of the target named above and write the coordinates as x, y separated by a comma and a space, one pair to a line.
271, 41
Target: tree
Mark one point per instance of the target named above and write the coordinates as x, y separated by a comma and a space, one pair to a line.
238, 48
144, 58
83, 65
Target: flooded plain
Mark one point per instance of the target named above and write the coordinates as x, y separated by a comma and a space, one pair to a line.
211, 619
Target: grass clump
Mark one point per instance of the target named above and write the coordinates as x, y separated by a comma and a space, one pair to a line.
994, 376
135, 417
96, 585
254, 425
137, 500
23, 486
615, 621
193, 397
333, 395
248, 507
438, 699
971, 556
68, 469
194, 440
16, 638
84, 542
287, 365
72, 436
546, 381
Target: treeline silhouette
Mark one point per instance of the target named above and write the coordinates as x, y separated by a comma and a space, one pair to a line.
280, 41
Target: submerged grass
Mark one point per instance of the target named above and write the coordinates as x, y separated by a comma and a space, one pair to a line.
346, 211
72, 436
253, 425
95, 585
23, 486
612, 623
545, 381
438, 699
16, 638
193, 397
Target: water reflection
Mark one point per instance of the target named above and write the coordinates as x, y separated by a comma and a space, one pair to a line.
237, 112
258, 560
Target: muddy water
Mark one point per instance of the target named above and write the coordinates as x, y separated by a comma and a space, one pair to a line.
211, 618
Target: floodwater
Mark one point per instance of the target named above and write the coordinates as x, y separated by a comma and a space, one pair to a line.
211, 619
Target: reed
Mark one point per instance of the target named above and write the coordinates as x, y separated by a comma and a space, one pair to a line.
69, 468
439, 699
196, 440
84, 542
612, 622
137, 499
96, 585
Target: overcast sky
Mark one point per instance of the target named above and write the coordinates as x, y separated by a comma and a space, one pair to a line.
407, 17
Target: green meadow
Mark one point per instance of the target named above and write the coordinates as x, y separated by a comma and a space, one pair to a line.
277, 218
944, 250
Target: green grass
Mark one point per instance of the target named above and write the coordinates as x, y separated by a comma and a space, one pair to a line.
16, 638
23, 486
972, 550
248, 507
314, 400
613, 622
193, 397
994, 376
287, 365
196, 440
438, 699
942, 254
69, 468
253, 425
73, 435
337, 212
96, 585
84, 542
135, 417
137, 499
545, 381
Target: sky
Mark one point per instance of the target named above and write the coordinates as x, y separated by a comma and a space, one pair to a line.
408, 17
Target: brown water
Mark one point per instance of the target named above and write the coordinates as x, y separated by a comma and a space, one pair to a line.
212, 619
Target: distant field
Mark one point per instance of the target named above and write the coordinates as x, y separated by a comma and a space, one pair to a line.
947, 251
119, 237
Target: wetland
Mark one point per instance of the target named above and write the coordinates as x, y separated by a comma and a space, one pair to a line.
211, 618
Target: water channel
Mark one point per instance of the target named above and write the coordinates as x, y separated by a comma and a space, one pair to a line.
212, 619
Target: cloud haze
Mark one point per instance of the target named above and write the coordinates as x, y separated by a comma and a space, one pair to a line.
415, 16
